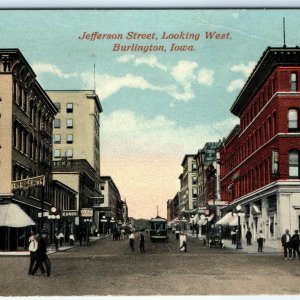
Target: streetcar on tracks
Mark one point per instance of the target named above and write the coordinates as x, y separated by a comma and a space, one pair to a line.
158, 229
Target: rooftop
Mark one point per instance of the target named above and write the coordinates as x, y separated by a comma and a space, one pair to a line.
270, 59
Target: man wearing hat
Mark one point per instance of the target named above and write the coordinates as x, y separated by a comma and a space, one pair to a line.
41, 254
295, 244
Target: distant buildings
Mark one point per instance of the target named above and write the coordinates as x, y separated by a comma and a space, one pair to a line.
188, 185
257, 165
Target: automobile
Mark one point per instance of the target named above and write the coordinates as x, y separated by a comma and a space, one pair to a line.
215, 241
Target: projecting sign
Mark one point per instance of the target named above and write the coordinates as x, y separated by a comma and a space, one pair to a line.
217, 203
86, 212
28, 183
69, 213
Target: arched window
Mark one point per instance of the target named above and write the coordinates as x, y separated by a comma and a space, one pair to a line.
293, 80
293, 119
293, 164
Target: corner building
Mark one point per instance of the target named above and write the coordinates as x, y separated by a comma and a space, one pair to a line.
26, 116
260, 157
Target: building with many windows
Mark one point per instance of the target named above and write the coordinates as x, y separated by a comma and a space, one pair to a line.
260, 158
112, 207
173, 210
76, 128
76, 147
26, 120
188, 186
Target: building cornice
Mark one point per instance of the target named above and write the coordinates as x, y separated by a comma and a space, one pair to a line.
270, 59
280, 186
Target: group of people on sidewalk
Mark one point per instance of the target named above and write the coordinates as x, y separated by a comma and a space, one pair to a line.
289, 243
38, 254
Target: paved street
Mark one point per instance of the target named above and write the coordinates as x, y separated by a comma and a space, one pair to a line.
107, 267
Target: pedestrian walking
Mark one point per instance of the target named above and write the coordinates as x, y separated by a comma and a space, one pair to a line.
182, 242
122, 234
41, 255
248, 237
177, 232
131, 240
233, 236
142, 242
61, 238
80, 237
71, 238
33, 245
295, 244
286, 242
260, 241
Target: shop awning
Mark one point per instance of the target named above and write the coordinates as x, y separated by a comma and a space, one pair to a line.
202, 220
226, 219
12, 215
235, 220
255, 210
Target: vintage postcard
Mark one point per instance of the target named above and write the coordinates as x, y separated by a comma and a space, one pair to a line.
149, 152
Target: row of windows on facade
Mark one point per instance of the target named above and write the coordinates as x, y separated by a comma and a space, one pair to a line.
261, 136
194, 168
263, 97
57, 153
57, 123
69, 107
194, 192
20, 172
63, 201
27, 144
57, 138
255, 178
254, 141
260, 175
37, 117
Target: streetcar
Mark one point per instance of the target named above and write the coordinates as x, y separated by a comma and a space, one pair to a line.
158, 229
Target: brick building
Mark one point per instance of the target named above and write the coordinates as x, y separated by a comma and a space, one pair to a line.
260, 157
26, 120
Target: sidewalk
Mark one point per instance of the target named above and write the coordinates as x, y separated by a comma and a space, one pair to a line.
270, 246
51, 248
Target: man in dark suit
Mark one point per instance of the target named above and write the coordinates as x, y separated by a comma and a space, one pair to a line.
296, 242
286, 241
41, 255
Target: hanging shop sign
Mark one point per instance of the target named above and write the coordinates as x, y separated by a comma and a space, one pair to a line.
86, 212
69, 213
27, 183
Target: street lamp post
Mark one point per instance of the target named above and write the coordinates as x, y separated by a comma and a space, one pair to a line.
192, 217
53, 216
112, 222
200, 225
239, 214
103, 221
183, 220
206, 218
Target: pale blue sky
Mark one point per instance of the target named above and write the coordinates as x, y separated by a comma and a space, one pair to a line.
159, 104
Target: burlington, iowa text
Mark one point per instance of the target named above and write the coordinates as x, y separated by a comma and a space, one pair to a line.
162, 42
